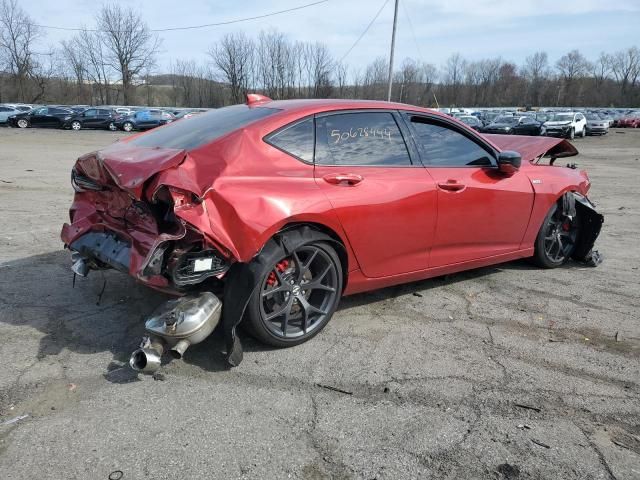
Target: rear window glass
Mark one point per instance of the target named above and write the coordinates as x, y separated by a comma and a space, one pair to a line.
296, 140
190, 133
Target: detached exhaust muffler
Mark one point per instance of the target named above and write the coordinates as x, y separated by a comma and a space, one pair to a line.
176, 324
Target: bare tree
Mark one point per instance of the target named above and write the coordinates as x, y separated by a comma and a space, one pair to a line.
275, 64
17, 36
234, 58
600, 69
625, 66
131, 47
453, 74
571, 66
74, 60
88, 46
320, 63
536, 71
340, 76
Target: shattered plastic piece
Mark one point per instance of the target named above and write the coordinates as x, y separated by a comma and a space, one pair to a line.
593, 258
15, 419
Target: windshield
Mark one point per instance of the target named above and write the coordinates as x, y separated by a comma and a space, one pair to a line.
507, 120
191, 133
593, 116
563, 117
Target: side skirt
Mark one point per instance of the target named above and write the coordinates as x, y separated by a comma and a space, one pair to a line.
359, 283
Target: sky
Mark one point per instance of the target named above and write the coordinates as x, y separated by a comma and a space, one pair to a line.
428, 30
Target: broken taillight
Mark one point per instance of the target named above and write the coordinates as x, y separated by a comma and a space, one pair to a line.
80, 183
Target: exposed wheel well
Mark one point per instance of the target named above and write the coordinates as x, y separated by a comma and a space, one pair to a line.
340, 248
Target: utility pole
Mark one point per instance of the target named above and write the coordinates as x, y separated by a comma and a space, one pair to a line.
393, 46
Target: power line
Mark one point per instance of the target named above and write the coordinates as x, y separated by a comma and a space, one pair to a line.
413, 33
365, 31
193, 27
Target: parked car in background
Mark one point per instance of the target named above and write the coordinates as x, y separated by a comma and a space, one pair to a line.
144, 120
18, 106
567, 125
42, 117
631, 120
124, 111
473, 122
596, 125
6, 112
102, 118
515, 125
187, 113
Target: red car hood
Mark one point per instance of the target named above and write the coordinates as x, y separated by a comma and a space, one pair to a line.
531, 148
129, 167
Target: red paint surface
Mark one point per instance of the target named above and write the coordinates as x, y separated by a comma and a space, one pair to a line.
397, 224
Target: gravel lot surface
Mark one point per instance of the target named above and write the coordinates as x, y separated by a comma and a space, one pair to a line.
502, 372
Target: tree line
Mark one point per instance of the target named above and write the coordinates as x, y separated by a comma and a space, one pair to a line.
116, 63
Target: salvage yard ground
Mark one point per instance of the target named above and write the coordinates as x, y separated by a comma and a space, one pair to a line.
502, 372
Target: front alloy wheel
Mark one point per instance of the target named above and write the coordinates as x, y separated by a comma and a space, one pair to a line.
22, 123
296, 296
556, 240
127, 126
76, 125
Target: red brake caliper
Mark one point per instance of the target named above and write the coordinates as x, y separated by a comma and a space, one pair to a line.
281, 267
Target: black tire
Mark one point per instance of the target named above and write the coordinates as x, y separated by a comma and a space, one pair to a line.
281, 311
127, 126
556, 240
22, 123
572, 134
584, 132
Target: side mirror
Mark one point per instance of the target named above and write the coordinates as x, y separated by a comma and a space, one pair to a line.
509, 162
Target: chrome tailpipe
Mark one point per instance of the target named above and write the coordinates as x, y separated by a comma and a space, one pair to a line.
177, 351
148, 358
178, 324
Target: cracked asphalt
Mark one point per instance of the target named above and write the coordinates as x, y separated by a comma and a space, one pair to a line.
502, 372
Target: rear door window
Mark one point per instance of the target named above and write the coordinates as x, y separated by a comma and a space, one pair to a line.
361, 138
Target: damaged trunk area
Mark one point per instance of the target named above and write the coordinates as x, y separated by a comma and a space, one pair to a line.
129, 221
131, 229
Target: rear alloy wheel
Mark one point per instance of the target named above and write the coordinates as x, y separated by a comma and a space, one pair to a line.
127, 126
112, 127
297, 296
22, 123
556, 239
76, 125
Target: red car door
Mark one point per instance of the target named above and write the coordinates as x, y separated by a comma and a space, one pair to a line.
385, 203
481, 212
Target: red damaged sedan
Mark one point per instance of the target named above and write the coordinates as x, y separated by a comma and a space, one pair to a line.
270, 211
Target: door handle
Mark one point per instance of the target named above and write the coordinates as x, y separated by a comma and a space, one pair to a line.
451, 186
344, 179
